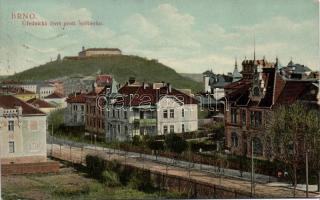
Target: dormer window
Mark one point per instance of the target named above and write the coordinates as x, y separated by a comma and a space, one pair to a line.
256, 91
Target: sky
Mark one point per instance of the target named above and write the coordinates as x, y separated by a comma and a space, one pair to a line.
190, 36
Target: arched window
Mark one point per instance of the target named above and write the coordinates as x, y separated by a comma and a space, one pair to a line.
234, 139
257, 147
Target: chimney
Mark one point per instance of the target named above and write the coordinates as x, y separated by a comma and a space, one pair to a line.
145, 85
132, 80
169, 87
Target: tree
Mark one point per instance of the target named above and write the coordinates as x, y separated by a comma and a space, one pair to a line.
155, 145
175, 143
294, 129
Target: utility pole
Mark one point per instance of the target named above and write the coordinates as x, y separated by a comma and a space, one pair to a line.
0, 169
52, 139
307, 174
252, 170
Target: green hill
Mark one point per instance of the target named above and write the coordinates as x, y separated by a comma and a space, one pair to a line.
121, 67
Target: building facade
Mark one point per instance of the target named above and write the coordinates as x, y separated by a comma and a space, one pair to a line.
76, 110
149, 109
250, 102
23, 132
99, 52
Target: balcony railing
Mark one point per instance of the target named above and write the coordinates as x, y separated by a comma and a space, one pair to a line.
145, 122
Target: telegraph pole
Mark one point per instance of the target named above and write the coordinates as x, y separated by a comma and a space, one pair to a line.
307, 174
252, 170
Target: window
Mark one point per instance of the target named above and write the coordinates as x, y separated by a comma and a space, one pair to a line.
182, 113
125, 113
234, 115
126, 130
257, 147
243, 117
75, 118
75, 107
10, 125
11, 147
165, 114
171, 129
118, 113
82, 108
234, 139
165, 129
182, 128
113, 113
171, 113
256, 118
119, 128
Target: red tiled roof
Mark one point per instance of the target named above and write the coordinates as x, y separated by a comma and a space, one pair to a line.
40, 103
77, 98
104, 79
292, 91
135, 96
9, 102
54, 95
238, 84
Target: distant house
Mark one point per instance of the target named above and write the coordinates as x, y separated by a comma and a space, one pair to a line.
18, 92
295, 71
23, 132
76, 109
149, 109
42, 105
99, 52
56, 99
214, 83
45, 89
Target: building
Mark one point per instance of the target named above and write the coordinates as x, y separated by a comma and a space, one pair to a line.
42, 105
95, 114
99, 52
78, 84
149, 109
295, 71
250, 101
58, 86
32, 87
23, 132
57, 100
44, 90
76, 110
214, 83
18, 92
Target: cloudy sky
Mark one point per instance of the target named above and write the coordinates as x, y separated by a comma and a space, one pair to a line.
190, 36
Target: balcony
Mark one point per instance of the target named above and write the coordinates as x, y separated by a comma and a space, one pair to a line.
144, 122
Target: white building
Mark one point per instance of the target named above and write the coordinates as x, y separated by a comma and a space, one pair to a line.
22, 132
75, 112
150, 110
56, 99
44, 90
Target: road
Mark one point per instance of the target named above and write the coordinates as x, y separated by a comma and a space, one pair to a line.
164, 165
180, 163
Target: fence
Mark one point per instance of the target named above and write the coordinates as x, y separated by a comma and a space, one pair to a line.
163, 181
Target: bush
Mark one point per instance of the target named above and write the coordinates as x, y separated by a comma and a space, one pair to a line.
95, 166
141, 181
175, 143
110, 178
